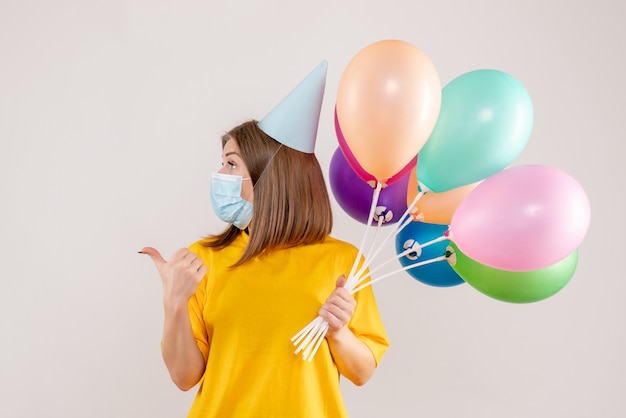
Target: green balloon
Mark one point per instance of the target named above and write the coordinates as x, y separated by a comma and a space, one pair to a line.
514, 286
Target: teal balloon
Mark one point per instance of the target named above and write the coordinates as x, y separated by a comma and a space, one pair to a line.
438, 273
485, 121
514, 286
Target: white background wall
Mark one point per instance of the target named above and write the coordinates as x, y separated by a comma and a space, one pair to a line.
110, 117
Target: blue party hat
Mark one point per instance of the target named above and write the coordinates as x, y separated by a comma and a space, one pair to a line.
293, 122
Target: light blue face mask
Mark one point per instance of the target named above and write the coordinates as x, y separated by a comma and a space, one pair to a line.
227, 202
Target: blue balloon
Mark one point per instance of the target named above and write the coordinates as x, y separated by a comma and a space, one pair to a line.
438, 273
485, 121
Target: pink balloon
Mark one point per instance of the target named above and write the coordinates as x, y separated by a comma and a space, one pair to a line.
522, 218
360, 171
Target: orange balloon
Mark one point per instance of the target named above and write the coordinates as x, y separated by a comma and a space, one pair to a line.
436, 208
388, 102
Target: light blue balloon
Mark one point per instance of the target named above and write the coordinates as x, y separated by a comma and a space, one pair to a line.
485, 121
438, 273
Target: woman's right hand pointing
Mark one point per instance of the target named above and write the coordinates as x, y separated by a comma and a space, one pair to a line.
180, 276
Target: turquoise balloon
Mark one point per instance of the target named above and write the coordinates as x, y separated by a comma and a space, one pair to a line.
514, 286
485, 121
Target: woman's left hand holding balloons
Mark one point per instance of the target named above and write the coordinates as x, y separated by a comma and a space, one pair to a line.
338, 308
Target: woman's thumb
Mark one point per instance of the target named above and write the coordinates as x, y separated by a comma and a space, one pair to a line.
341, 281
154, 254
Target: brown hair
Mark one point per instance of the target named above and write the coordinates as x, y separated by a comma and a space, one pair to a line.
291, 202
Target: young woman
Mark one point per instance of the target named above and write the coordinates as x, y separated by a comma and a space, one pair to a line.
233, 301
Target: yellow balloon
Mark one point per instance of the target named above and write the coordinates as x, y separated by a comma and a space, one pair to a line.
388, 102
436, 208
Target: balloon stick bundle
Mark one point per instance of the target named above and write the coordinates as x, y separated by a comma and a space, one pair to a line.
311, 336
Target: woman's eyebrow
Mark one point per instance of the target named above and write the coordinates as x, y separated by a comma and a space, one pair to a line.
232, 153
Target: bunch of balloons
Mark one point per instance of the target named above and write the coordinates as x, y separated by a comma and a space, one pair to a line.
435, 163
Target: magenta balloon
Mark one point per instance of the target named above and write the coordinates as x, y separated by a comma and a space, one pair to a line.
522, 218
355, 196
360, 171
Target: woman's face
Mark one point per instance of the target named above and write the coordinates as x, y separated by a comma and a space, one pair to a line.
232, 163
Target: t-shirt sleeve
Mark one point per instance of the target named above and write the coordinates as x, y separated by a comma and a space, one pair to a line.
196, 312
367, 325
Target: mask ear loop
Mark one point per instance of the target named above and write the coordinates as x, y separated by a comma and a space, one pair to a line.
247, 231
265, 169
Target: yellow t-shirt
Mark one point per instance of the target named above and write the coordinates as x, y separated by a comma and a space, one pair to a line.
243, 319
